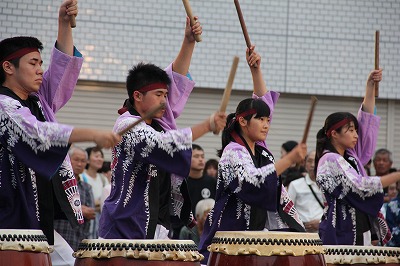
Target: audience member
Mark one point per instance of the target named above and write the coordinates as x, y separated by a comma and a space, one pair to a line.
393, 219
97, 180
203, 207
72, 235
200, 185
296, 170
307, 197
383, 162
211, 168
106, 171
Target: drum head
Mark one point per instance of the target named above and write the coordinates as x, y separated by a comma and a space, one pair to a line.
266, 243
157, 250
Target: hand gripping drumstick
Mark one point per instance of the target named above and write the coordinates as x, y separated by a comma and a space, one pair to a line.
228, 88
189, 13
310, 115
150, 114
72, 22
243, 25
377, 60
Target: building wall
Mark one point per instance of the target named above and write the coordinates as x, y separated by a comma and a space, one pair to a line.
308, 46
95, 105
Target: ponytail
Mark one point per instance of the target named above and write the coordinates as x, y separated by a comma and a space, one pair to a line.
226, 137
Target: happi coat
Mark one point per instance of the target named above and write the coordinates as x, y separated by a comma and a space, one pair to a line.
33, 146
243, 187
347, 188
144, 155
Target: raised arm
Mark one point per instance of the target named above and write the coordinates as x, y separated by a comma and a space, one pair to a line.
64, 39
182, 61
369, 98
254, 62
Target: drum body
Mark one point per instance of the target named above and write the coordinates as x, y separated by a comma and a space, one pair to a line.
102, 252
250, 248
24, 247
361, 255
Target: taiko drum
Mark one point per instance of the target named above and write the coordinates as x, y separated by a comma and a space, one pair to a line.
24, 247
116, 252
238, 248
361, 255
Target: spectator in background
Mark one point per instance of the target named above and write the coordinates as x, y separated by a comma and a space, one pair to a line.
211, 168
367, 167
393, 219
383, 162
391, 194
200, 185
97, 180
307, 197
203, 207
74, 236
296, 170
106, 171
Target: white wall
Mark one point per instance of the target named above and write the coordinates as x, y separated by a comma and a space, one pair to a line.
308, 46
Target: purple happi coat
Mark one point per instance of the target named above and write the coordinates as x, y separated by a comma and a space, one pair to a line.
347, 189
242, 186
29, 147
141, 154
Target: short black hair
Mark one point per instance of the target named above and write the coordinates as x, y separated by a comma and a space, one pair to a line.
144, 74
197, 147
13, 44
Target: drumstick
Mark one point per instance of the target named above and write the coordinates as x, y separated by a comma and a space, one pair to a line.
228, 88
189, 13
147, 116
377, 60
310, 115
72, 22
243, 25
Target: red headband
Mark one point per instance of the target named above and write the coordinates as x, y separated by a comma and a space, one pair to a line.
153, 86
337, 125
19, 53
246, 113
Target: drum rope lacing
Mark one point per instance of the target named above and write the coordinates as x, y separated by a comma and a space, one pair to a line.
137, 246
269, 241
19, 237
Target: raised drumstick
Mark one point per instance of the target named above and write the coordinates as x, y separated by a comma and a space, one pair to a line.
228, 88
377, 60
243, 25
148, 115
310, 116
189, 13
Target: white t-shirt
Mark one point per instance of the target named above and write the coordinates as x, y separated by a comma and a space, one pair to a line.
97, 184
304, 201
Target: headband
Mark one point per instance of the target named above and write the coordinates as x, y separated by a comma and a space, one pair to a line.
19, 53
246, 113
153, 86
337, 125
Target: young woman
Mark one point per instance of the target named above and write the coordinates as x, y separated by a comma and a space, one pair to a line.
353, 199
97, 181
249, 194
